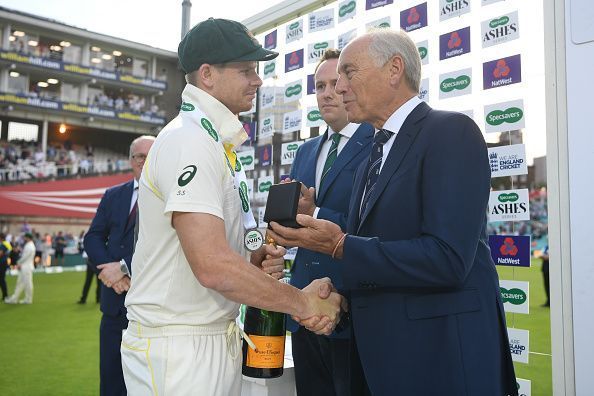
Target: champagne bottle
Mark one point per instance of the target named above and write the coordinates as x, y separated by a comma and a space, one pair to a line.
267, 332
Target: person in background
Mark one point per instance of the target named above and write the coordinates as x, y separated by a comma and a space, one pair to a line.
327, 163
5, 249
59, 245
26, 267
90, 273
545, 275
109, 240
46, 259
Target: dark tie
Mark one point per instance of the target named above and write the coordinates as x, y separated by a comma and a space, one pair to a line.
132, 216
332, 154
375, 163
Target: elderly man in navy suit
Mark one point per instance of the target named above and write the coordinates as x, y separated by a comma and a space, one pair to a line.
425, 305
109, 240
326, 166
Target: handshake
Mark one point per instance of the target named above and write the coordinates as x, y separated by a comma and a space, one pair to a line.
324, 307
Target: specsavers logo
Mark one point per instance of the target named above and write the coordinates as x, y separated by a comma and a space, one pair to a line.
265, 186
185, 106
510, 115
187, 175
243, 195
293, 90
347, 8
207, 125
449, 84
513, 296
314, 115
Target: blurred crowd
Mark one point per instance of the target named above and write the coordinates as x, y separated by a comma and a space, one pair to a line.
21, 160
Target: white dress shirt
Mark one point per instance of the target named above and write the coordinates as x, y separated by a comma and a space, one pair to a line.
134, 195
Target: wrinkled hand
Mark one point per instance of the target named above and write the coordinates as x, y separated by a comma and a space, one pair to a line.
110, 273
325, 306
316, 234
122, 285
270, 259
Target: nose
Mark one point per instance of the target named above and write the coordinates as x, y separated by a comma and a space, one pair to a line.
257, 81
341, 87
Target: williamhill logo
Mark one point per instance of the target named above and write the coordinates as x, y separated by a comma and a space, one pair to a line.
455, 43
453, 8
414, 18
500, 30
501, 72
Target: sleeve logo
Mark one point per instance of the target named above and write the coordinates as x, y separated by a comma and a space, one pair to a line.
187, 175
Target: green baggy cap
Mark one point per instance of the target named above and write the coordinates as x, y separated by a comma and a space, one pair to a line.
216, 41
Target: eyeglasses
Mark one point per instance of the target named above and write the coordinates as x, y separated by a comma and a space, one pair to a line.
139, 157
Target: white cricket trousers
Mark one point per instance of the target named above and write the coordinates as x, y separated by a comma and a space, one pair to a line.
24, 283
182, 360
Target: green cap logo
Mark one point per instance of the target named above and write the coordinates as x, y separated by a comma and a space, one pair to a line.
263, 187
187, 175
247, 160
511, 197
511, 115
243, 195
293, 90
209, 128
513, 296
292, 147
322, 45
269, 68
422, 52
449, 84
499, 22
185, 106
384, 25
294, 25
314, 115
347, 8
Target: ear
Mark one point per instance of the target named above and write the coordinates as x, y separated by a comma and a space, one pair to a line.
396, 66
206, 75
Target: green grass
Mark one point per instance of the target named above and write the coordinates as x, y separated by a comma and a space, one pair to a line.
52, 346
538, 322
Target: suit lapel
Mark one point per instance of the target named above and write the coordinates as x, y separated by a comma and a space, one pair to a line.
353, 147
404, 139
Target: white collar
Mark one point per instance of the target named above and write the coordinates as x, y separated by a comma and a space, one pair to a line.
224, 121
394, 123
348, 131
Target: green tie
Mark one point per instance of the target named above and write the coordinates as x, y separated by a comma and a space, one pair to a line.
332, 154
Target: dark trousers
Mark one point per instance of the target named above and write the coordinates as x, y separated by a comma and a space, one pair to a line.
545, 275
88, 279
110, 360
3, 269
321, 364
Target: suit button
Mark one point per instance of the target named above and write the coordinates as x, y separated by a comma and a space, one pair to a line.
122, 246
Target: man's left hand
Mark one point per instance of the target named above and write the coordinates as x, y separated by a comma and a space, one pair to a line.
316, 234
270, 259
110, 273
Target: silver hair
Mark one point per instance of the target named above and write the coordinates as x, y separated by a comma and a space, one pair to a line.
143, 137
387, 43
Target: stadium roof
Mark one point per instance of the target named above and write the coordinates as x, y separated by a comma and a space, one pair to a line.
60, 27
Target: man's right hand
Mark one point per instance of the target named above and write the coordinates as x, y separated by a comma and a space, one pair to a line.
110, 273
324, 306
122, 285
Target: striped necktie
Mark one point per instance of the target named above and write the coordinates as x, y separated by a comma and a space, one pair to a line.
375, 163
332, 154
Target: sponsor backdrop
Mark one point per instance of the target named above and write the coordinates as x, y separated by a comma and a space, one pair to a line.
474, 60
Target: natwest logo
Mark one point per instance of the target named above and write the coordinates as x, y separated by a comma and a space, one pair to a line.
454, 43
510, 250
501, 72
414, 18
294, 60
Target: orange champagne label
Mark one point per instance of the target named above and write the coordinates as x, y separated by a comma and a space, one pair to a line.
270, 352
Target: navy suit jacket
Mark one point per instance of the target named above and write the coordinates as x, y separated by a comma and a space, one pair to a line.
333, 201
425, 304
111, 238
